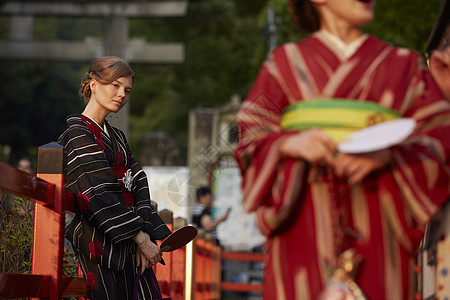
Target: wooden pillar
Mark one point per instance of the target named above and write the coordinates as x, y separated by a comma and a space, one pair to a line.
49, 221
116, 43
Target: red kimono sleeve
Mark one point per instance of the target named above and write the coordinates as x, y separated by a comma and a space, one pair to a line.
260, 161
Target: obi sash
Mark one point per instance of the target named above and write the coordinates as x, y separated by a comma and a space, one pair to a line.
125, 179
337, 117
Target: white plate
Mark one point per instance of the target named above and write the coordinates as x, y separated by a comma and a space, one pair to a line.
379, 136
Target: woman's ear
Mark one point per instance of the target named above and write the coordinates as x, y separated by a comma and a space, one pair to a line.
92, 85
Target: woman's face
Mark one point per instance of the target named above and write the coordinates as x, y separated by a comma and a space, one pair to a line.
111, 97
348, 13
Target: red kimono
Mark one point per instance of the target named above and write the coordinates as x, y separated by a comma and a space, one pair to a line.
297, 204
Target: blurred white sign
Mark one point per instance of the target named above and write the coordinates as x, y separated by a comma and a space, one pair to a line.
169, 188
239, 231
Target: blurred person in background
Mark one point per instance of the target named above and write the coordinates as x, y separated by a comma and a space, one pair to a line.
201, 213
24, 164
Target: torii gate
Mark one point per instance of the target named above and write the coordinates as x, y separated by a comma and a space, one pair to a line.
116, 38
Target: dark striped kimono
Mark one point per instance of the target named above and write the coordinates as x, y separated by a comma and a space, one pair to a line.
102, 230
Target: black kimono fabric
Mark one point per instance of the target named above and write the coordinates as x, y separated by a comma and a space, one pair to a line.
102, 229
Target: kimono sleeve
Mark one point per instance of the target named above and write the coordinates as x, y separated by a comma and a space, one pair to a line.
153, 224
267, 176
99, 196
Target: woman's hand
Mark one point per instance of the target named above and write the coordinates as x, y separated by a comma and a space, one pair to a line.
141, 260
440, 69
357, 166
313, 145
150, 250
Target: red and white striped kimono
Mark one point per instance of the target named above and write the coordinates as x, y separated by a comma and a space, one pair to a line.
296, 204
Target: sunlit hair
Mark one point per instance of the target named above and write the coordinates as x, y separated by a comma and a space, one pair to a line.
305, 15
105, 70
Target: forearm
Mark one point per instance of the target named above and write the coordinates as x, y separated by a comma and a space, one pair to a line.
215, 223
212, 224
141, 238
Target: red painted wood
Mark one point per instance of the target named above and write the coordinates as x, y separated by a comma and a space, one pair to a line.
48, 237
241, 287
244, 256
74, 287
24, 285
20, 182
164, 273
178, 281
217, 272
69, 201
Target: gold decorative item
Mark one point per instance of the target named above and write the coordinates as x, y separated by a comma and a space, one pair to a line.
341, 285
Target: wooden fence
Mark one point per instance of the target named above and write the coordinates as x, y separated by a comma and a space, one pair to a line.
193, 272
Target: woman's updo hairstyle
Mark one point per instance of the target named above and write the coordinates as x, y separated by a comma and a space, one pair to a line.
105, 70
305, 15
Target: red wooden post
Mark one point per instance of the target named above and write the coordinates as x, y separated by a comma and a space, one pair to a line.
208, 266
217, 270
200, 268
164, 273
49, 222
178, 266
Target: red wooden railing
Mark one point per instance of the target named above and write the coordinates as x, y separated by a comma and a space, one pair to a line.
247, 257
51, 202
207, 258
193, 272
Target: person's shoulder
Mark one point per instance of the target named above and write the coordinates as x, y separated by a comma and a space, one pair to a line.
283, 47
198, 209
75, 126
293, 46
74, 121
397, 50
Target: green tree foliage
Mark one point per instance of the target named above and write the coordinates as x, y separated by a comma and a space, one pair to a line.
16, 234
36, 96
225, 44
397, 22
16, 237
404, 24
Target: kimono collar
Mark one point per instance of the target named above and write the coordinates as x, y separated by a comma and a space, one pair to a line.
92, 120
346, 49
104, 127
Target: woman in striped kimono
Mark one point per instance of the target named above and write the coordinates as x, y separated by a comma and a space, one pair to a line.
339, 223
115, 228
